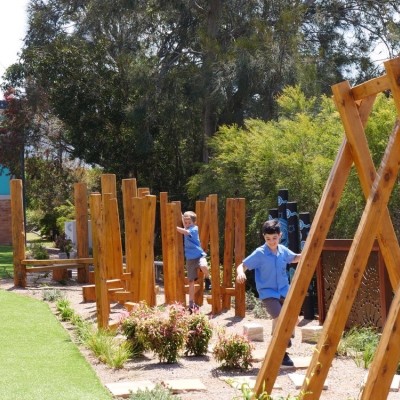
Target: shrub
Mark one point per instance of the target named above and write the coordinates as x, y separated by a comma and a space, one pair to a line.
130, 327
107, 348
51, 294
248, 394
164, 332
158, 393
233, 350
38, 251
65, 309
199, 334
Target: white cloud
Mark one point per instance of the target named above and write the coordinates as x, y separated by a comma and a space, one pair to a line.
12, 31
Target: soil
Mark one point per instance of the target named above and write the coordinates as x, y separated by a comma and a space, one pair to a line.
344, 379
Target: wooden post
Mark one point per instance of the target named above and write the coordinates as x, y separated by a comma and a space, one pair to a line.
229, 240
214, 251
109, 184
147, 287
82, 231
240, 249
18, 232
180, 258
102, 305
136, 248
129, 191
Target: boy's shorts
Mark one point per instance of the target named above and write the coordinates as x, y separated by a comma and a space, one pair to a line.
193, 265
273, 306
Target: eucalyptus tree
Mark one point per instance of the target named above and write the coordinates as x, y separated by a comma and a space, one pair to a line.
141, 86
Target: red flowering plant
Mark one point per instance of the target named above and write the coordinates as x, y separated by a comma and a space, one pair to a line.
130, 326
164, 332
199, 334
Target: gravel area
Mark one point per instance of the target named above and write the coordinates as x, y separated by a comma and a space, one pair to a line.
343, 381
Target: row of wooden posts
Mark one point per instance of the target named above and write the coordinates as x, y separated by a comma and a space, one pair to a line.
134, 280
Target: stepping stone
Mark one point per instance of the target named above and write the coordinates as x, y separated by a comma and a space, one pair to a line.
394, 386
124, 389
254, 331
298, 380
184, 385
311, 334
237, 381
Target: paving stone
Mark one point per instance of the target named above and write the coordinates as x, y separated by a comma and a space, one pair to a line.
394, 386
311, 334
237, 381
254, 331
184, 385
124, 389
298, 380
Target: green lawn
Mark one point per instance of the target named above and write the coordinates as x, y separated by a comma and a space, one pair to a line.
6, 261
38, 359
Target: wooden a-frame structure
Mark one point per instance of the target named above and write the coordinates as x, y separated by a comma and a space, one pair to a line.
354, 105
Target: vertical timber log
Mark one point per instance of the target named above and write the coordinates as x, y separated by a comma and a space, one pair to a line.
82, 230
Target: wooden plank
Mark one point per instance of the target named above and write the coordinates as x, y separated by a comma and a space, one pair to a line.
306, 268
229, 241
136, 248
147, 287
180, 258
100, 276
82, 228
55, 267
164, 233
240, 249
371, 87
58, 261
387, 355
115, 233
18, 231
353, 270
214, 252
354, 129
109, 184
129, 191
170, 269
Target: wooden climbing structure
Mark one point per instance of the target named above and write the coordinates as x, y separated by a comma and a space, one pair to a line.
354, 105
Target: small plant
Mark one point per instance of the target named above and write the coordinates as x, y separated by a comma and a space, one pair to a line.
130, 327
199, 334
51, 295
158, 393
248, 394
65, 309
38, 251
233, 350
251, 300
360, 344
107, 349
165, 332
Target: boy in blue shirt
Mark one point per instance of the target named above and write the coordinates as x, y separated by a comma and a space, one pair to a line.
194, 254
269, 263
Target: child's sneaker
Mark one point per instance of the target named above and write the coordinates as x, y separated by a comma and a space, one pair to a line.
207, 284
287, 361
193, 308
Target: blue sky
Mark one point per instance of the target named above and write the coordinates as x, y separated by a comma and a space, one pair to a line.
12, 31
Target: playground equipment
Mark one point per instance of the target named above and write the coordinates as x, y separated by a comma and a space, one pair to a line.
354, 105
207, 219
114, 281
23, 266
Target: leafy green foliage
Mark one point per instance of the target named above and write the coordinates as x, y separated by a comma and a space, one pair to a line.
233, 350
51, 295
359, 343
199, 334
165, 332
248, 394
38, 251
158, 393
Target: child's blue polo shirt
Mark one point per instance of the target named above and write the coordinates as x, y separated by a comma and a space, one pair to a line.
270, 270
193, 248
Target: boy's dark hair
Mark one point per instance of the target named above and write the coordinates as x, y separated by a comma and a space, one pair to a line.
271, 227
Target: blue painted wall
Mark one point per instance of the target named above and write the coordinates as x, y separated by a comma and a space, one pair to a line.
5, 183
